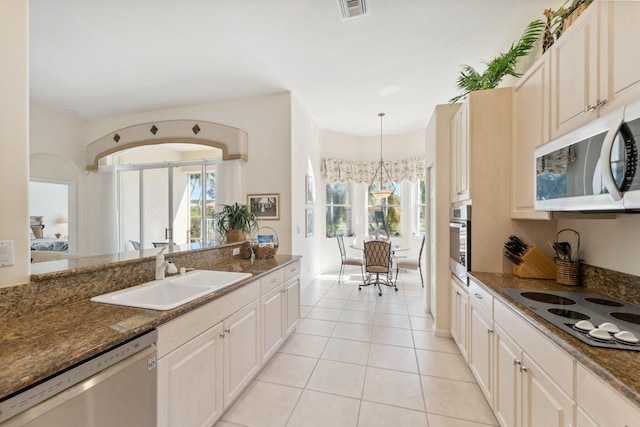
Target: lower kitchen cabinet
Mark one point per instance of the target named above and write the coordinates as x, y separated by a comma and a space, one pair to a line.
507, 380
241, 350
292, 308
459, 311
190, 382
480, 356
280, 316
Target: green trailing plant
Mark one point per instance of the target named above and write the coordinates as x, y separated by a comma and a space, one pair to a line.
503, 65
235, 217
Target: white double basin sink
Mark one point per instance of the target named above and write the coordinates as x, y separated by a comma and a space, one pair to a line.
173, 291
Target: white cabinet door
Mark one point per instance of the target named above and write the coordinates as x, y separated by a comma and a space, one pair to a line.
292, 297
574, 79
507, 380
459, 307
543, 401
460, 154
241, 350
273, 310
619, 53
190, 382
530, 128
480, 349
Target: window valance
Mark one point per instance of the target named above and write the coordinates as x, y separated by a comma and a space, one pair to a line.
343, 171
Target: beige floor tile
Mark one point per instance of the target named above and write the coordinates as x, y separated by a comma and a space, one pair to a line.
427, 340
393, 357
421, 323
360, 306
353, 331
418, 310
263, 404
304, 345
363, 317
309, 300
442, 421
228, 424
288, 369
346, 351
392, 336
304, 310
367, 294
385, 307
444, 365
457, 399
392, 320
379, 415
331, 303
316, 327
344, 379
337, 294
393, 388
317, 409
390, 296
324, 313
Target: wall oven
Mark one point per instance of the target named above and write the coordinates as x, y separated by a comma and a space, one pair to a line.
460, 241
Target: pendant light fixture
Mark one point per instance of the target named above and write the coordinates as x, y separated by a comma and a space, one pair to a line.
383, 190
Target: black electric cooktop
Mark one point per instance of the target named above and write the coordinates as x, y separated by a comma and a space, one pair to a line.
577, 312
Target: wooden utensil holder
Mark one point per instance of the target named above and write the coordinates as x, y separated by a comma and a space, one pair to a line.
535, 265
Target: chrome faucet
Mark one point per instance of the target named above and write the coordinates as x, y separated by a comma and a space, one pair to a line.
162, 265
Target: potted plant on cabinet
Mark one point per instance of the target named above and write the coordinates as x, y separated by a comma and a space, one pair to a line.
235, 222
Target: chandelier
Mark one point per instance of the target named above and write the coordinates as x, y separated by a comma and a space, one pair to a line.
378, 188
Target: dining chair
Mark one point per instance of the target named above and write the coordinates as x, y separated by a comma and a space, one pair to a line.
346, 260
411, 263
377, 264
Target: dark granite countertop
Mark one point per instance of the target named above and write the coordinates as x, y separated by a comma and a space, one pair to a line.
37, 346
618, 368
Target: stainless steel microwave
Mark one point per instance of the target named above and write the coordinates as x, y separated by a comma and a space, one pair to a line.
593, 168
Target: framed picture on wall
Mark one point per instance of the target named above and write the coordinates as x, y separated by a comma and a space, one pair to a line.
264, 206
309, 222
310, 190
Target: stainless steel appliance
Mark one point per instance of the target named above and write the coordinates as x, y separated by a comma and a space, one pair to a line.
460, 241
592, 168
581, 314
115, 388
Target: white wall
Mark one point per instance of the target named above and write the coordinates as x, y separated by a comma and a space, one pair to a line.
14, 134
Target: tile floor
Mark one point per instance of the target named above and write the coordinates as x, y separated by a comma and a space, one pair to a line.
358, 359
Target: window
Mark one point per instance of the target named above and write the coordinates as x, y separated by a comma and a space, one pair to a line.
421, 208
338, 210
384, 214
199, 203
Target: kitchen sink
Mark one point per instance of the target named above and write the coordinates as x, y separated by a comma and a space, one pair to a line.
173, 291
570, 310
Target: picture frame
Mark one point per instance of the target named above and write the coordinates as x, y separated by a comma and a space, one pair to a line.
309, 222
265, 206
310, 190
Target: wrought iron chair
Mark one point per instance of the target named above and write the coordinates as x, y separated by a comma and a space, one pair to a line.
377, 261
411, 264
346, 260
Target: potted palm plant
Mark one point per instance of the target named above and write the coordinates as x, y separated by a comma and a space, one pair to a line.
235, 222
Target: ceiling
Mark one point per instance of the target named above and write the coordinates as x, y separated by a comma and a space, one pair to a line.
96, 58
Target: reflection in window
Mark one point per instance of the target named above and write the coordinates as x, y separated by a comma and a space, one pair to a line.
421, 208
338, 210
384, 214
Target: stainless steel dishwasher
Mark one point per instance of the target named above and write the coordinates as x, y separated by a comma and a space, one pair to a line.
115, 388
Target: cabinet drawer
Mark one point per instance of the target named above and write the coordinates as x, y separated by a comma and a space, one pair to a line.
480, 298
603, 403
271, 280
555, 362
291, 270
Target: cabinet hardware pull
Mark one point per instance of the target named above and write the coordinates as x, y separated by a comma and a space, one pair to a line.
516, 362
457, 292
478, 295
222, 335
490, 331
227, 331
523, 368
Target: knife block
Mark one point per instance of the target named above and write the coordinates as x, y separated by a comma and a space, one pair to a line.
535, 265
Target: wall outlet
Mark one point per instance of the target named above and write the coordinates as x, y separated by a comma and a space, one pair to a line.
6, 253
236, 251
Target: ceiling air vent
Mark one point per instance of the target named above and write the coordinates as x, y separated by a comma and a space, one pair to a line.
352, 8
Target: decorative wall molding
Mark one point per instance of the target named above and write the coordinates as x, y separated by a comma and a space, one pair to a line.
232, 141
344, 171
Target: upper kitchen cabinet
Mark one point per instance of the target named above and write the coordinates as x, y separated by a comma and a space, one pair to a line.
480, 135
595, 65
619, 53
574, 74
531, 116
